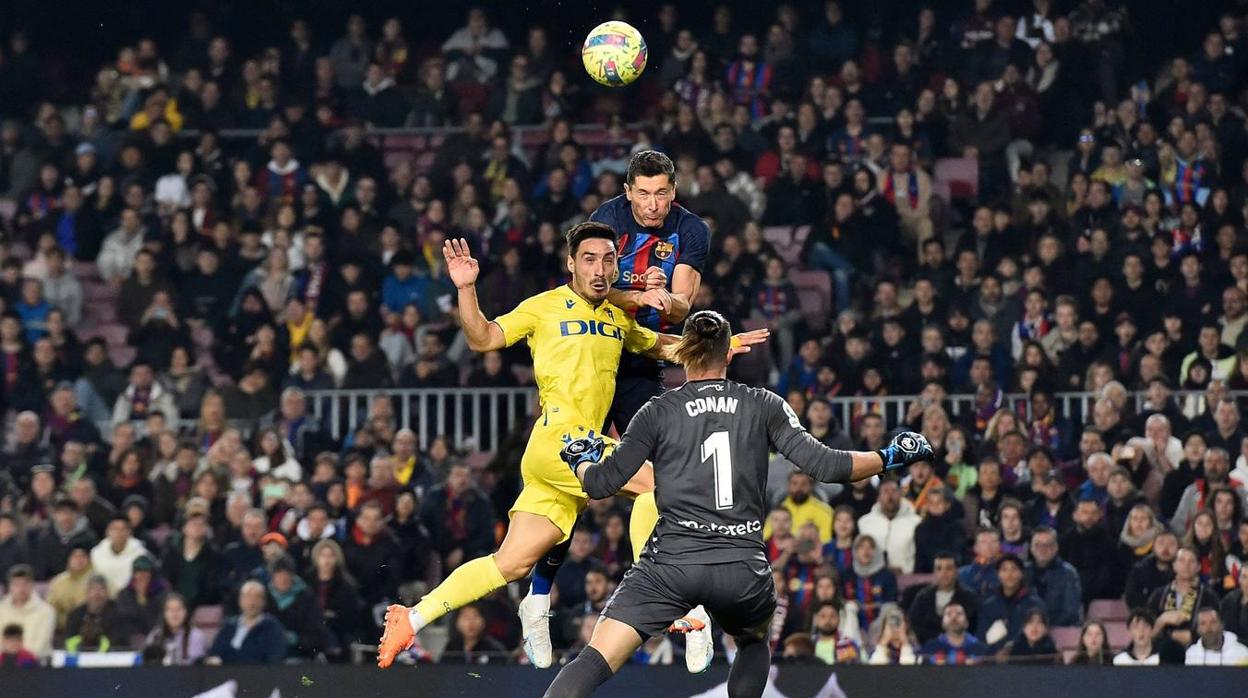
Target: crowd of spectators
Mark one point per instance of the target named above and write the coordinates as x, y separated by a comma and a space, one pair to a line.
1099, 247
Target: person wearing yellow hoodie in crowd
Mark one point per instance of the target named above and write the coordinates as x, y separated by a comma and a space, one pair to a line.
805, 507
68, 590
158, 105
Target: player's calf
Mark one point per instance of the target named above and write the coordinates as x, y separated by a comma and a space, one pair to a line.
581, 676
748, 676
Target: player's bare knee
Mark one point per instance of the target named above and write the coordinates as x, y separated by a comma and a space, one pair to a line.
514, 566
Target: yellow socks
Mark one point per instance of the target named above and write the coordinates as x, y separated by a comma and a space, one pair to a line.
641, 523
469, 582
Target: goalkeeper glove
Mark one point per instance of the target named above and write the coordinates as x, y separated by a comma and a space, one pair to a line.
905, 448
587, 449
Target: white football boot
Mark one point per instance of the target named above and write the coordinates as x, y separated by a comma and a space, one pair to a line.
699, 645
535, 628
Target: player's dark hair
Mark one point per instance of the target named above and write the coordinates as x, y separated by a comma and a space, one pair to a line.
650, 163
704, 342
588, 231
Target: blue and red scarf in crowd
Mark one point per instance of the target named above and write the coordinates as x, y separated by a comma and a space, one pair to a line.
889, 188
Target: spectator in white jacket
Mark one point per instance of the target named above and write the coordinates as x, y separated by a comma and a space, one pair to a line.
114, 556
1161, 448
117, 254
22, 606
473, 51
891, 522
1216, 646
1142, 650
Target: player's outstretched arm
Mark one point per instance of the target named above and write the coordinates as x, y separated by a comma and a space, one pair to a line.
832, 465
828, 464
741, 344
482, 335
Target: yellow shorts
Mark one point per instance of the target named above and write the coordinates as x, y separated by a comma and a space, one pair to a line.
550, 488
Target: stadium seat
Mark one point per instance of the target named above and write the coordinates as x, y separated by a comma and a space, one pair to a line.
98, 313
113, 333
1106, 610
1065, 637
208, 617
98, 290
958, 176
472, 96
788, 241
814, 291
778, 235
533, 138
1118, 635
122, 355
85, 271
906, 581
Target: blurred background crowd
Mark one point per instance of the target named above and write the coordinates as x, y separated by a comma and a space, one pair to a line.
952, 216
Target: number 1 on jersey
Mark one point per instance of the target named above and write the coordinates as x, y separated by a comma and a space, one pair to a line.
718, 448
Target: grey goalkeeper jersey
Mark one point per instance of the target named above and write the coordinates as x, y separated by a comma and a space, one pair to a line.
710, 442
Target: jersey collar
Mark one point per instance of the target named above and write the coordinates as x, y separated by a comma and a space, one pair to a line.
567, 290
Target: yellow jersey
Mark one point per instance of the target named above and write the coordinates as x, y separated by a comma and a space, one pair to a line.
576, 351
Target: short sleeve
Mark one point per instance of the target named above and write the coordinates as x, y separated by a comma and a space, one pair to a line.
695, 240
639, 339
519, 323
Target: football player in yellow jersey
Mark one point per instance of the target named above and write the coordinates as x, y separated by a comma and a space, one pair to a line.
576, 337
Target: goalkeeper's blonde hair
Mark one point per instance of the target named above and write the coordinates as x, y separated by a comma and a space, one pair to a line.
705, 341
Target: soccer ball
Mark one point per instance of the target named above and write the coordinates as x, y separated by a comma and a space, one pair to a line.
614, 54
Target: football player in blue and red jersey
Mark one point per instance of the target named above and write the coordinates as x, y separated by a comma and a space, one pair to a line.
661, 253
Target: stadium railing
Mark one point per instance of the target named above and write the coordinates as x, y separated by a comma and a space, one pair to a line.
418, 145
480, 419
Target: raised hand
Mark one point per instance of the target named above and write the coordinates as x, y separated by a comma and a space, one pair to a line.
657, 298
460, 265
742, 342
655, 277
